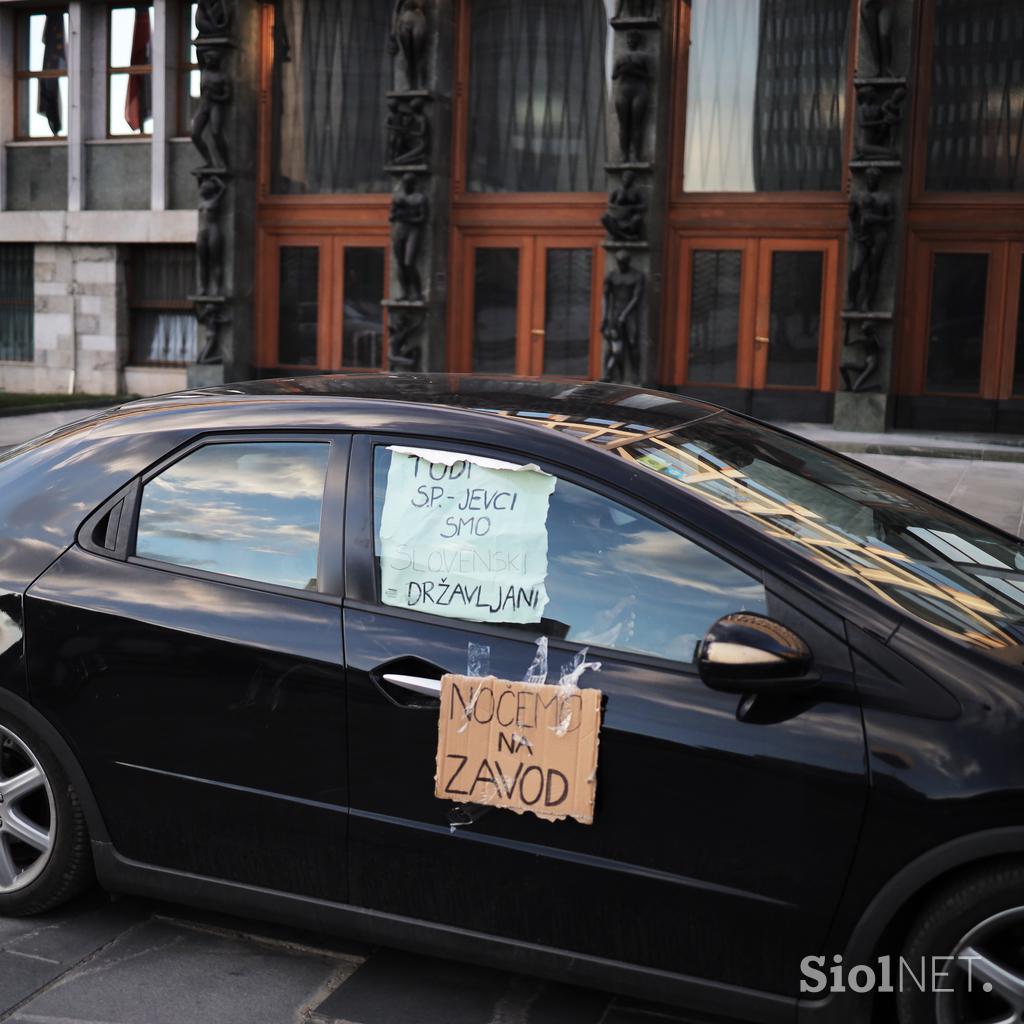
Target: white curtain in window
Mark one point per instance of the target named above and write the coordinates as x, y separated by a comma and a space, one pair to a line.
167, 336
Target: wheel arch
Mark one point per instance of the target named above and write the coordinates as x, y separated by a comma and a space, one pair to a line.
33, 718
891, 912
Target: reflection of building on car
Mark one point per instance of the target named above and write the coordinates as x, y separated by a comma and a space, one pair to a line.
811, 677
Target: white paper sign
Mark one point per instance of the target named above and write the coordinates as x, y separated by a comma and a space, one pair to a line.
465, 537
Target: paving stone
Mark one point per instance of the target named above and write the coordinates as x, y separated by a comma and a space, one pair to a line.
162, 973
399, 988
36, 951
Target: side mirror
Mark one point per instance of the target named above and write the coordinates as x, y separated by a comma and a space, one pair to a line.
747, 653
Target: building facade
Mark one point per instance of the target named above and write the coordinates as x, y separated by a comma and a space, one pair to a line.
804, 209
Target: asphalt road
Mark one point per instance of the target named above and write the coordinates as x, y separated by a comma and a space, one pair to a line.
123, 961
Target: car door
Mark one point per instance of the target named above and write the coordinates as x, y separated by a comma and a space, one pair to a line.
189, 648
719, 847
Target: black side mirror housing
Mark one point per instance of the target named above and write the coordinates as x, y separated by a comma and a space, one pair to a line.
750, 654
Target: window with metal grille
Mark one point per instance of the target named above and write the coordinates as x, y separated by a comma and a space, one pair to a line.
41, 73
976, 114
331, 71
162, 325
16, 302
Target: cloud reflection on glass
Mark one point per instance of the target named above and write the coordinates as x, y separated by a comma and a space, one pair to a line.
247, 510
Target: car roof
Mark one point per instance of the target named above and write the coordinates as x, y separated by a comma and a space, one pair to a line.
565, 400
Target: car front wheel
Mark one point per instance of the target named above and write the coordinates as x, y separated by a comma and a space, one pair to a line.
44, 842
969, 942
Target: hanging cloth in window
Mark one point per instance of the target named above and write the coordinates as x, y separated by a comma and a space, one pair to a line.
138, 105
54, 59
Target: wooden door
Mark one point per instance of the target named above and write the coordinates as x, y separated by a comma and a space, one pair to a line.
321, 302
529, 304
756, 313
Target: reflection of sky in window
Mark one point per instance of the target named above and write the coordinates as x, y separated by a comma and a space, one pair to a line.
248, 510
619, 580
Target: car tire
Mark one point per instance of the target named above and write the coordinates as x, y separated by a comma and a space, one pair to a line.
45, 858
981, 913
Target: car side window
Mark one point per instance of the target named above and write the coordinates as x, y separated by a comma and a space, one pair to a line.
249, 509
617, 579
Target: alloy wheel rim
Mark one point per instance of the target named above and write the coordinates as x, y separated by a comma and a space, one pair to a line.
986, 978
27, 814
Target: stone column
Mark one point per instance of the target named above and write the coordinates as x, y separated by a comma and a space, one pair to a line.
877, 205
418, 141
224, 132
638, 151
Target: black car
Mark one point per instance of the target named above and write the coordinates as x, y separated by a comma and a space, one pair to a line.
217, 689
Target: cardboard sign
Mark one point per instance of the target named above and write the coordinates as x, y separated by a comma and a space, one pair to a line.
464, 536
522, 746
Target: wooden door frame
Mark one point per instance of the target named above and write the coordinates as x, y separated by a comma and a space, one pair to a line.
530, 310
678, 352
755, 298
829, 309
331, 244
916, 325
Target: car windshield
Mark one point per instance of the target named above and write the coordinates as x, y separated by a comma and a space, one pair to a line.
959, 575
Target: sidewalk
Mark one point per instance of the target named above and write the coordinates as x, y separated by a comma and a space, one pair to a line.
981, 474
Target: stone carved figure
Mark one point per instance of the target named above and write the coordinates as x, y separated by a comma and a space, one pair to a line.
213, 17
632, 77
860, 358
871, 217
210, 238
208, 122
620, 323
625, 220
634, 9
210, 315
409, 209
409, 40
877, 16
408, 132
403, 350
877, 123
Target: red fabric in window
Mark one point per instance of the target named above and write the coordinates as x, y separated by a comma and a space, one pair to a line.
138, 105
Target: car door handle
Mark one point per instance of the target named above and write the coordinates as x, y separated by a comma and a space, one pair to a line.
417, 684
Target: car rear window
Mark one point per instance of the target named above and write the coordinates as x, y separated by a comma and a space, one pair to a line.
250, 510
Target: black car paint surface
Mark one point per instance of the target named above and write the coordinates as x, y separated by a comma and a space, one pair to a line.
236, 745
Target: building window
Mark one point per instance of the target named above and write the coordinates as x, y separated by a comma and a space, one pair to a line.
538, 94
976, 114
41, 70
130, 70
16, 302
766, 95
331, 71
162, 326
188, 69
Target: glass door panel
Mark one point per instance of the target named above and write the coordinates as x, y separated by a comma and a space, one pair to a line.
956, 322
568, 312
362, 319
715, 316
298, 325
795, 318
495, 309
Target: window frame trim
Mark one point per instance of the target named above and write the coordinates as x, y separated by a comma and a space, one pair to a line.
361, 583
330, 551
110, 70
26, 75
183, 68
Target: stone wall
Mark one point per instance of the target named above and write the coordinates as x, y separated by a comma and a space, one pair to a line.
81, 322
